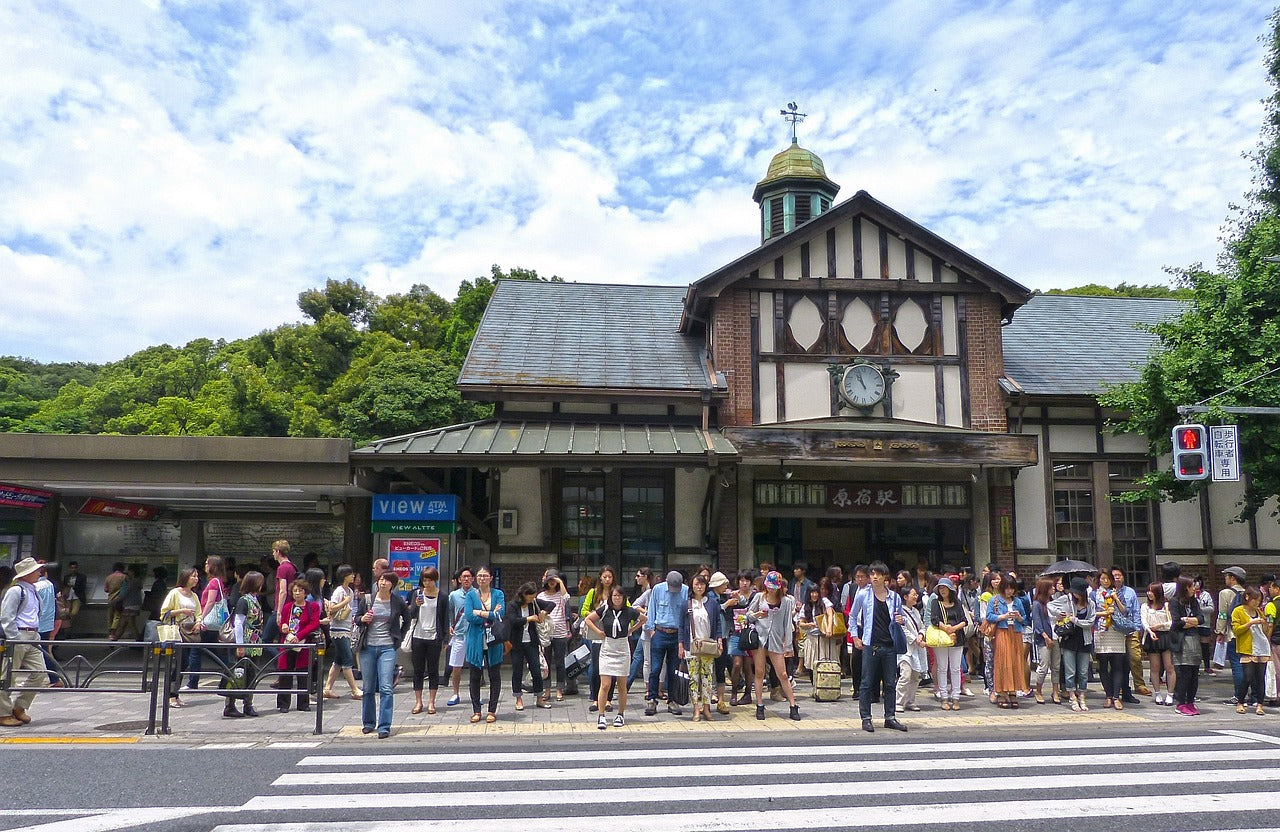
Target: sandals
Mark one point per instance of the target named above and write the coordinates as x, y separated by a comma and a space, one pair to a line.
946, 704
559, 696
491, 718
1075, 705
1119, 705
417, 709
1039, 698
1240, 708
1260, 712
519, 703
1057, 700
431, 709
1107, 704
331, 695
475, 718
1013, 704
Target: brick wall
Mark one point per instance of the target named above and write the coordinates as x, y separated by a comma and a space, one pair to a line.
986, 363
731, 353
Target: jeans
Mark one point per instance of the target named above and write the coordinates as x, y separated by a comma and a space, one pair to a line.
55, 670
879, 669
663, 650
1237, 671
1050, 666
195, 656
378, 672
639, 662
522, 653
594, 646
1113, 669
1075, 670
426, 662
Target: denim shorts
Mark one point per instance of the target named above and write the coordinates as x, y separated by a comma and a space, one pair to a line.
340, 646
733, 646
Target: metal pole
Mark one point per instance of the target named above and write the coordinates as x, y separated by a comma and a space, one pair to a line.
317, 676
168, 686
152, 653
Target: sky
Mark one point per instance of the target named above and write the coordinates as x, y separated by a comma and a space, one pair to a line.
178, 170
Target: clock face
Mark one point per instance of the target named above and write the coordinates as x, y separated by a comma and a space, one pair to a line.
863, 385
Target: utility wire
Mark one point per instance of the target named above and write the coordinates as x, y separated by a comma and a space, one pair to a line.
1238, 386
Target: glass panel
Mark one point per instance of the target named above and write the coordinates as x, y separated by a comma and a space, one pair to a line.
1073, 522
1126, 470
930, 495
1073, 471
909, 495
644, 526
582, 527
1131, 530
955, 495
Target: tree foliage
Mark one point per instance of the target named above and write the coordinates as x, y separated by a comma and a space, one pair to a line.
1224, 350
1125, 290
357, 366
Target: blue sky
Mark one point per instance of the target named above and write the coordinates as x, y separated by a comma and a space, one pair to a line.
174, 170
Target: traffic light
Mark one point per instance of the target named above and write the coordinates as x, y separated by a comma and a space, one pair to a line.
1190, 453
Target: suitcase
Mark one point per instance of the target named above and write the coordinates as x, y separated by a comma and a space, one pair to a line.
826, 681
826, 675
577, 662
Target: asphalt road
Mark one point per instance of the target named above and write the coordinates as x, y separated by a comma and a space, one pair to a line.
1086, 778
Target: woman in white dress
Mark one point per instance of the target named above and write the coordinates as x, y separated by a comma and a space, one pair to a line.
614, 624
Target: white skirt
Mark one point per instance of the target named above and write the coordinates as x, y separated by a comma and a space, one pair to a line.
615, 657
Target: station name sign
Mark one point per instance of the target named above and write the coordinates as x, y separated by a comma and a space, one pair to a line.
422, 508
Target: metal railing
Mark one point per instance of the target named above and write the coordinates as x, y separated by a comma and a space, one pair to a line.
224, 664
162, 666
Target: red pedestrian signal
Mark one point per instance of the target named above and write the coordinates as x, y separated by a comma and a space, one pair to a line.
1189, 453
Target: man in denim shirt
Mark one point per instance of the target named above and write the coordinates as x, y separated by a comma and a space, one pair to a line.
668, 609
1129, 597
874, 611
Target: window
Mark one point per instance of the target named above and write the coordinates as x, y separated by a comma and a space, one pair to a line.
1131, 525
1073, 514
644, 524
582, 525
776, 220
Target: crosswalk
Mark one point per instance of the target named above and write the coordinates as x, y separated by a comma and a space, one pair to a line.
1184, 782
1188, 782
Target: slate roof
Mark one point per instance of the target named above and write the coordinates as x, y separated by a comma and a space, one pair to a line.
584, 335
1068, 345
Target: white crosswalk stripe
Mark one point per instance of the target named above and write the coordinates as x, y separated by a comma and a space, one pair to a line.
1147, 781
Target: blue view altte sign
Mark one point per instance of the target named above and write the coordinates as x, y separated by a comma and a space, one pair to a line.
421, 507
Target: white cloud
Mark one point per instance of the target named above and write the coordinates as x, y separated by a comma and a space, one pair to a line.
172, 172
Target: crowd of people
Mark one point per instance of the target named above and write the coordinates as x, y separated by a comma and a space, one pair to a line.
896, 637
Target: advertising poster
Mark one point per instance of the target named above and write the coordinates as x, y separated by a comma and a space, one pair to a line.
409, 556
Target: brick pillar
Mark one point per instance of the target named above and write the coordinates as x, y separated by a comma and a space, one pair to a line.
985, 359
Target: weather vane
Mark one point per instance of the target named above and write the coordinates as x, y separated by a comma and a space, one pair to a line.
793, 115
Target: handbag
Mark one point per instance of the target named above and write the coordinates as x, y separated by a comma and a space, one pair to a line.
935, 636
500, 629
749, 638
168, 632
1122, 623
833, 625
217, 614
406, 643
227, 635
709, 647
1220, 654
544, 633
1063, 629
679, 692
899, 637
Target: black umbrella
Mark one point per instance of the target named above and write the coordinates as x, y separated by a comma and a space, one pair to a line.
1068, 567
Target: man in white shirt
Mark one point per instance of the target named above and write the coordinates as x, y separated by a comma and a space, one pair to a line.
20, 620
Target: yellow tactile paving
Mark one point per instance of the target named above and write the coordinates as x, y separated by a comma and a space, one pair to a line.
67, 740
746, 722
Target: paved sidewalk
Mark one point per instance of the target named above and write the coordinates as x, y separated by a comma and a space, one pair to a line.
84, 717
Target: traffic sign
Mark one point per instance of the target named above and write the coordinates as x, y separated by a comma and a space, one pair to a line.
1189, 453
1224, 445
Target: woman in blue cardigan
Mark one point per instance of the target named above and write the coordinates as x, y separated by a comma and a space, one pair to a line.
701, 628
485, 641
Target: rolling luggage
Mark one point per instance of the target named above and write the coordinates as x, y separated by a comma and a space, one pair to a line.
826, 675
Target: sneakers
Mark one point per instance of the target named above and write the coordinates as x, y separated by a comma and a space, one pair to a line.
760, 712
652, 708
454, 701
723, 707
673, 709
602, 723
619, 721
795, 713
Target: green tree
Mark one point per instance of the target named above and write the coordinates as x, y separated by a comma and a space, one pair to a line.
1125, 290
409, 391
1225, 349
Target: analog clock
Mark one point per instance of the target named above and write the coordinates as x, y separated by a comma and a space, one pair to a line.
863, 385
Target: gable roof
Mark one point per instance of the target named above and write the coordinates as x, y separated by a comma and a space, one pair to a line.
587, 336
700, 293
1071, 345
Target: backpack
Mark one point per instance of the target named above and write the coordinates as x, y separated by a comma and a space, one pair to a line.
1235, 602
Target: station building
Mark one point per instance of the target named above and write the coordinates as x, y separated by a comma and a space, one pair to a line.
855, 387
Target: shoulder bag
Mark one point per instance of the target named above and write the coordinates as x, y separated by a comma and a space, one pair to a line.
499, 627
831, 624
679, 693
217, 614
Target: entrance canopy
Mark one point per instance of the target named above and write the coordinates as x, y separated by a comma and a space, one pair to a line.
881, 442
